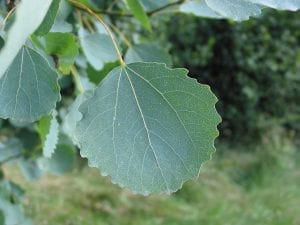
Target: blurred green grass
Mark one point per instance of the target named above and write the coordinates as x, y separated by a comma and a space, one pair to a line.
259, 186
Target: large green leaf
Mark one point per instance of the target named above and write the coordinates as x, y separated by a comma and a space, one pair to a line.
149, 127
147, 53
29, 88
29, 15
280, 4
48, 21
138, 11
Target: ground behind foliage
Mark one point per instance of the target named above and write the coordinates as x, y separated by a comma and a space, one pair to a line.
260, 187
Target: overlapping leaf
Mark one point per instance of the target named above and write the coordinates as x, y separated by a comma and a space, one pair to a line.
97, 48
138, 11
199, 8
29, 15
61, 162
149, 127
1, 43
279, 4
49, 19
48, 129
235, 9
10, 148
152, 5
30, 169
147, 53
14, 214
29, 88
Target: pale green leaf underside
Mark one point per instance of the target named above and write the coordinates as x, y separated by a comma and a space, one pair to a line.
98, 49
235, 9
61, 161
52, 136
280, 4
149, 127
150, 5
147, 53
13, 213
30, 169
29, 88
199, 8
73, 116
29, 15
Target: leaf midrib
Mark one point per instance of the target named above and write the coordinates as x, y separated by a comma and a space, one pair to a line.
146, 128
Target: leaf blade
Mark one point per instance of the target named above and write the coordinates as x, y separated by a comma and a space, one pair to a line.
29, 88
139, 13
48, 21
235, 9
135, 130
292, 5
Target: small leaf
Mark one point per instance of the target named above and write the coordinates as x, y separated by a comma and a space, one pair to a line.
139, 13
29, 88
149, 127
48, 129
29, 15
48, 21
74, 116
42, 127
147, 53
98, 49
65, 47
52, 136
